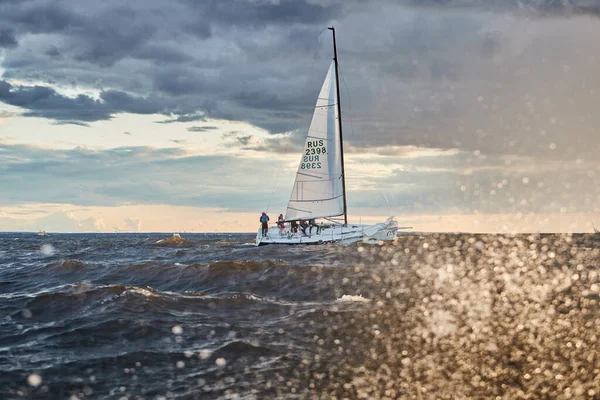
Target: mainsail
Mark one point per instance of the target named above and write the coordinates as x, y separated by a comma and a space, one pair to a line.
318, 188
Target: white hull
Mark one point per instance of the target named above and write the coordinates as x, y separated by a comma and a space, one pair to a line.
333, 233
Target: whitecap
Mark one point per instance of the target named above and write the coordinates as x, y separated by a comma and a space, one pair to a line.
141, 291
351, 298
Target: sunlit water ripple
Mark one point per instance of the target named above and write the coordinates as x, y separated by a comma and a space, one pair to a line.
434, 316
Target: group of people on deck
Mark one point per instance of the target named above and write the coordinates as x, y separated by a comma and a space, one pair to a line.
304, 224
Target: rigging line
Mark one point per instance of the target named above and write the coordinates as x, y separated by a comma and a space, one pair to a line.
275, 181
311, 69
321, 33
385, 198
349, 114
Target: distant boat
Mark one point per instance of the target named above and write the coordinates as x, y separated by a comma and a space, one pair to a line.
42, 233
596, 231
319, 189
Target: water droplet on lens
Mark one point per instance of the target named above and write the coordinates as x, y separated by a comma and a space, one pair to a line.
203, 354
177, 330
34, 380
47, 250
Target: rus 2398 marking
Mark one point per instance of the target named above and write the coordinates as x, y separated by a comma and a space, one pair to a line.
318, 150
311, 158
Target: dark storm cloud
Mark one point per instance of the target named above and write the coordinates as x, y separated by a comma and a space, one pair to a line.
42, 17
53, 52
261, 13
7, 38
162, 54
45, 102
107, 34
117, 34
414, 73
41, 101
179, 81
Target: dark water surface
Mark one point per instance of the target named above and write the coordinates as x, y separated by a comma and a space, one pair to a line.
437, 316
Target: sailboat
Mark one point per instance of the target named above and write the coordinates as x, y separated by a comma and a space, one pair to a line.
319, 190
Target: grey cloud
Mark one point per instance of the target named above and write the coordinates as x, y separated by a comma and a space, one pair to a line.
237, 139
201, 128
116, 35
465, 184
45, 102
184, 118
109, 36
200, 29
539, 7
162, 54
179, 81
67, 122
118, 101
260, 13
7, 38
53, 52
132, 175
121, 40
41, 101
461, 182
245, 139
42, 17
286, 144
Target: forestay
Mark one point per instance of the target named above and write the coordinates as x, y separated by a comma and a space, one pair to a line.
318, 191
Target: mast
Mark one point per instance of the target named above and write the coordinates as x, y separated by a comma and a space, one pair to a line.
339, 108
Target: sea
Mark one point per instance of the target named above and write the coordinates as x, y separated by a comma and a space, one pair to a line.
428, 316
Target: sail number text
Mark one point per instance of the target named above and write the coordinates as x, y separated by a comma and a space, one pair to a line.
311, 158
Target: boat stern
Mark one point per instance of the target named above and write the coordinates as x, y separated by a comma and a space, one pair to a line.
383, 231
259, 237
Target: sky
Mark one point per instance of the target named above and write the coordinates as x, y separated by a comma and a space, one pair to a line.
190, 115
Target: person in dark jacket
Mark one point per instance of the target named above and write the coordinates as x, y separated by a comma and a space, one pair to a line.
264, 220
294, 226
312, 223
303, 226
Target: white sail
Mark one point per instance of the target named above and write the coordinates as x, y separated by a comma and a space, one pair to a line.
317, 191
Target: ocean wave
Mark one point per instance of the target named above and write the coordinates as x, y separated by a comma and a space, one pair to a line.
249, 317
224, 266
243, 347
353, 299
74, 298
69, 264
